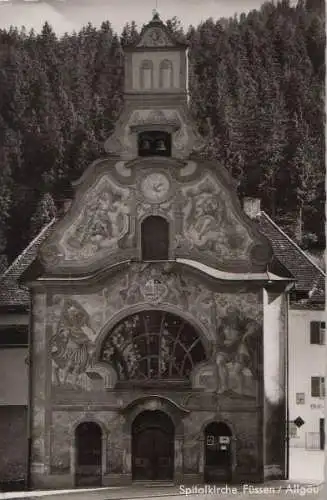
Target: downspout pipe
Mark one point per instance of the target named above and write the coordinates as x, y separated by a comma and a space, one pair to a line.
30, 394
289, 288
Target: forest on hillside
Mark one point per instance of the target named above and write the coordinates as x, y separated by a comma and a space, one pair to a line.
256, 93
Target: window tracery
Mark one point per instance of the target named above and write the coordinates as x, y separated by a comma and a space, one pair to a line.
153, 345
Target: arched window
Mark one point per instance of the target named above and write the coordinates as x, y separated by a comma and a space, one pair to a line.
155, 238
166, 74
146, 75
153, 345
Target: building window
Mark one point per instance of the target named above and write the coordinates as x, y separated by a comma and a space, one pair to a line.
292, 430
153, 345
155, 238
318, 387
317, 332
154, 143
166, 74
146, 75
300, 398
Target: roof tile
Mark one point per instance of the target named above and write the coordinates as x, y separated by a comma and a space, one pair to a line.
12, 294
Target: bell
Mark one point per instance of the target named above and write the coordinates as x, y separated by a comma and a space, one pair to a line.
161, 146
146, 145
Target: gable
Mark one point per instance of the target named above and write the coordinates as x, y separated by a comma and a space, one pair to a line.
206, 222
155, 36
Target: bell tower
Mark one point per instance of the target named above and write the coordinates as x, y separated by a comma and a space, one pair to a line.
155, 120
156, 66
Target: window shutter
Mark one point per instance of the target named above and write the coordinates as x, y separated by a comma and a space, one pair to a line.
322, 391
322, 332
314, 332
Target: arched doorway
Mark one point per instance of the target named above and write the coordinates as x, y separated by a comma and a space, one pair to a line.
218, 453
155, 238
153, 439
88, 446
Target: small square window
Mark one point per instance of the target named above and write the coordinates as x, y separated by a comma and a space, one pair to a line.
300, 398
317, 332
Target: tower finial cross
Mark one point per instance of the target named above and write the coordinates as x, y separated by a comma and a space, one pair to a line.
155, 10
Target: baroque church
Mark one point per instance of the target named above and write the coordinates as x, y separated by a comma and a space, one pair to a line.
158, 313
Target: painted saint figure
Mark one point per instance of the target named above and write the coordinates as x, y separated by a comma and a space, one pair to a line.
236, 352
72, 346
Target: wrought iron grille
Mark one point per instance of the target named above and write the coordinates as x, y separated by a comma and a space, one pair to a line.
153, 345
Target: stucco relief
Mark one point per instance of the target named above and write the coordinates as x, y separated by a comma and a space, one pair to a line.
155, 37
154, 283
145, 208
210, 223
101, 226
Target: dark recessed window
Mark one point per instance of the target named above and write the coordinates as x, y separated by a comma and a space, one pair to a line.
318, 387
155, 238
154, 144
317, 332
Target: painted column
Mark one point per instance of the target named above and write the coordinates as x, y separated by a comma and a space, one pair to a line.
38, 462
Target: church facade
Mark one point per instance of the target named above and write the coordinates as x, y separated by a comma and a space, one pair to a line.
158, 320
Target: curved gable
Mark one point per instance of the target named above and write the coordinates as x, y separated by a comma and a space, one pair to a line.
205, 220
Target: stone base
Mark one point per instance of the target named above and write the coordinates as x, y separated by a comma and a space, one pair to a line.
67, 481
116, 479
52, 481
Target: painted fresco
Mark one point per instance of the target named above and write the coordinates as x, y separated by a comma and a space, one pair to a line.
232, 322
100, 226
210, 223
72, 345
107, 218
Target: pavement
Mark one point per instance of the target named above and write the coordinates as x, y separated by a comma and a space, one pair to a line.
272, 489
306, 481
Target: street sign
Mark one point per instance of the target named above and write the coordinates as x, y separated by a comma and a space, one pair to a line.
299, 422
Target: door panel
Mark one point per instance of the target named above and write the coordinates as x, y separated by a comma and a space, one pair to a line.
153, 455
322, 433
88, 455
153, 448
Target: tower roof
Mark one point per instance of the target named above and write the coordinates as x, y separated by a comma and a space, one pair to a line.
156, 34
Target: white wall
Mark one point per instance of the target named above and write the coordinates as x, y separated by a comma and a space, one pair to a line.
156, 58
13, 376
305, 361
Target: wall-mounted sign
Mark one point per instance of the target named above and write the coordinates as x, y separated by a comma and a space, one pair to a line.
314, 406
300, 398
299, 422
211, 440
224, 439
